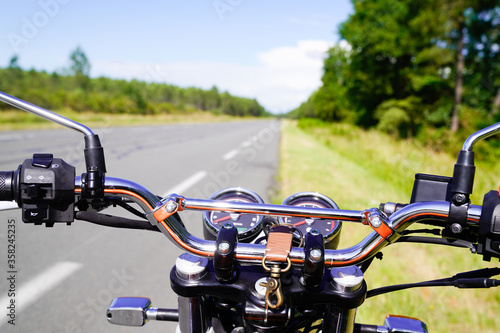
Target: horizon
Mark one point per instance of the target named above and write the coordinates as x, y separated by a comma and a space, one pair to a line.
271, 52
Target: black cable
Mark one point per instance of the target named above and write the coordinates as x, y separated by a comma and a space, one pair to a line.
440, 241
366, 264
114, 221
388, 289
479, 273
127, 207
436, 232
474, 279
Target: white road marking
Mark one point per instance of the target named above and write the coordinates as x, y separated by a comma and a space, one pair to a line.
229, 155
35, 288
186, 184
6, 205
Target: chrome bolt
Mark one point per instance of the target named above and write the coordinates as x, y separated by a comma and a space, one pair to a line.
456, 228
348, 278
171, 206
348, 271
375, 221
224, 247
314, 232
228, 225
189, 267
315, 255
459, 198
389, 208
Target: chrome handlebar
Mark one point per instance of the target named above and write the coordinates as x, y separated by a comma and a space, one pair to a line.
175, 230
480, 135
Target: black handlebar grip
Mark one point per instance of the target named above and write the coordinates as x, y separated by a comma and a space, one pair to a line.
6, 185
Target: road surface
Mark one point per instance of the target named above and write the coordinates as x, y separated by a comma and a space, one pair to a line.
65, 277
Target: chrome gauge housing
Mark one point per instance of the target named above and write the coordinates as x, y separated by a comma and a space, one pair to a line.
248, 225
330, 229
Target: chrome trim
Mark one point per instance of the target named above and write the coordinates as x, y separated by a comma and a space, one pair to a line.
123, 184
425, 210
311, 194
41, 112
421, 211
404, 324
480, 135
474, 214
237, 189
253, 253
128, 311
151, 313
242, 235
365, 249
276, 210
334, 233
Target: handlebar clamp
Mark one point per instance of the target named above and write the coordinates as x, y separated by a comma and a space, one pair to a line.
166, 208
379, 222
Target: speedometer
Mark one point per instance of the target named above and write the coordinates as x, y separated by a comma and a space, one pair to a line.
330, 229
248, 225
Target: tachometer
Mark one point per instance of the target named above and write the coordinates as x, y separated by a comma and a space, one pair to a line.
330, 229
248, 225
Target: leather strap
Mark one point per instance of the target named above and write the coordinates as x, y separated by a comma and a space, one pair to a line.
279, 243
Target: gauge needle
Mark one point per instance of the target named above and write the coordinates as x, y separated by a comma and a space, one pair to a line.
299, 223
222, 219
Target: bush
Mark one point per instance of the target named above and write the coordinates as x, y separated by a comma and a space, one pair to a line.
400, 117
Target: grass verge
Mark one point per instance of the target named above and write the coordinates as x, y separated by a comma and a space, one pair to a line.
20, 120
359, 169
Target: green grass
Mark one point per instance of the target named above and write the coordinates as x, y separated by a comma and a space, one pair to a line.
359, 169
20, 120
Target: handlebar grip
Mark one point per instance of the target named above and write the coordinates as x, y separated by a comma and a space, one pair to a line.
6, 185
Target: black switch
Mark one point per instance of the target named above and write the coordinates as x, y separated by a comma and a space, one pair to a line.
33, 191
36, 191
42, 160
33, 214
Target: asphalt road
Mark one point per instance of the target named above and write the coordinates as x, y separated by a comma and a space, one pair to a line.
65, 277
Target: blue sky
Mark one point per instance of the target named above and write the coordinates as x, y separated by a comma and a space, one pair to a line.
268, 50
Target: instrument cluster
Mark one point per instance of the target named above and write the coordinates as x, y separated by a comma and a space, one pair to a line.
250, 226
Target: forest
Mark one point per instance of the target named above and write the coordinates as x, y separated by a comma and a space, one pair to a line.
422, 69
75, 90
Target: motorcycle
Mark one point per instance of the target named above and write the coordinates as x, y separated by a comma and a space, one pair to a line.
262, 267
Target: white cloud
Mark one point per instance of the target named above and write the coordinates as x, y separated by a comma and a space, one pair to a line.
285, 76
306, 54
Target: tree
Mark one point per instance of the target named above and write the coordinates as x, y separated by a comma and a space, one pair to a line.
465, 32
460, 26
394, 54
79, 63
14, 62
329, 100
483, 56
414, 66
80, 68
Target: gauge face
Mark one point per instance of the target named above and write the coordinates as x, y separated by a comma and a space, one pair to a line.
330, 229
248, 225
